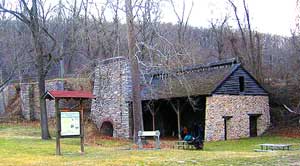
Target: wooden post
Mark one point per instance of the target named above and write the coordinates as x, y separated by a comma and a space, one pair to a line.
81, 127
58, 127
177, 110
153, 121
151, 108
178, 124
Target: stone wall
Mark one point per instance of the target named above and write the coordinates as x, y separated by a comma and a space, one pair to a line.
8, 93
29, 95
30, 98
2, 103
26, 101
112, 89
238, 107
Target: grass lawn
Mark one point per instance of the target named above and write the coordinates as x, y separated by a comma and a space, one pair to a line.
21, 145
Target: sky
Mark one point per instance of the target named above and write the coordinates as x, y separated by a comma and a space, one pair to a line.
268, 16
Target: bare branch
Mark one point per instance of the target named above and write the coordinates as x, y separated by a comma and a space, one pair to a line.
290, 110
239, 23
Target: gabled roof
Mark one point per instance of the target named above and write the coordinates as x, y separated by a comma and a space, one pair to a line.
188, 81
61, 94
252, 86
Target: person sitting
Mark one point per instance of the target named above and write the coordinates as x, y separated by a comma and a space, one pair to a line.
188, 138
184, 132
197, 142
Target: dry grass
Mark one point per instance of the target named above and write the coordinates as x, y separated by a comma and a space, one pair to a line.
21, 145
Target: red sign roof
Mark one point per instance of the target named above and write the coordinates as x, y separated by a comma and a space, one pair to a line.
61, 94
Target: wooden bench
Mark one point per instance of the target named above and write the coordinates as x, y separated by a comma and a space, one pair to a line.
275, 146
154, 134
184, 145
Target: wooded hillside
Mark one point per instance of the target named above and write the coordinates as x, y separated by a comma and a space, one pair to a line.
83, 34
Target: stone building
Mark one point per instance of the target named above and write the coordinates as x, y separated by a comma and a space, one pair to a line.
30, 98
110, 110
218, 101
26, 95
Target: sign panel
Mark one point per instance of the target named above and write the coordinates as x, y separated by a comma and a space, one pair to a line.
70, 123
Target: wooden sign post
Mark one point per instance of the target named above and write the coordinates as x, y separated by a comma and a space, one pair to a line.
58, 127
69, 124
81, 128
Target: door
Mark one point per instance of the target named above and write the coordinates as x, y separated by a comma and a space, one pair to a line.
225, 128
253, 126
226, 122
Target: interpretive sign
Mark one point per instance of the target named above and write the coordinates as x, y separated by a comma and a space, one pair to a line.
70, 123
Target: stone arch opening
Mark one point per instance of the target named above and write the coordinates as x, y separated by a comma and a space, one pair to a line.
107, 129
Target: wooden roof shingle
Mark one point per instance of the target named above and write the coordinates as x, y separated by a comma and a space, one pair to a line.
188, 81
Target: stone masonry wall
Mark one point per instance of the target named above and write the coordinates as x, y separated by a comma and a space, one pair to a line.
8, 93
2, 103
30, 99
111, 87
29, 95
26, 95
238, 107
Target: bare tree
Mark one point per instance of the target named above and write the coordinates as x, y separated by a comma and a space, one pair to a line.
295, 40
219, 33
75, 9
148, 22
61, 37
135, 72
44, 59
182, 23
251, 49
116, 27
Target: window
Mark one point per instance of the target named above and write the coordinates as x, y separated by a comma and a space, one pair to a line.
242, 84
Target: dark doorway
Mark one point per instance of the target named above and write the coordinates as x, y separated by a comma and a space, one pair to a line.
107, 129
226, 121
165, 118
253, 126
191, 116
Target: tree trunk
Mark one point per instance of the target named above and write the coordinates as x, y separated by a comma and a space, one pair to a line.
135, 73
38, 45
61, 61
178, 124
258, 62
30, 17
2, 94
41, 85
43, 109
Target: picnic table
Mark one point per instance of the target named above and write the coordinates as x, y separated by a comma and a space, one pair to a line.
184, 145
275, 146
